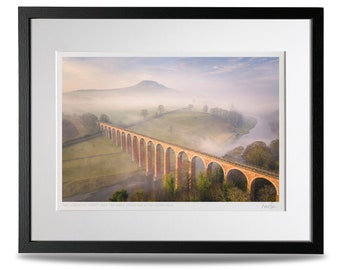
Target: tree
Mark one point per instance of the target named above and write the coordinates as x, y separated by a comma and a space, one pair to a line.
169, 185
258, 154
234, 194
104, 118
140, 195
216, 176
228, 193
275, 149
161, 109
266, 193
144, 113
183, 175
90, 121
190, 107
236, 153
237, 179
205, 109
203, 186
119, 196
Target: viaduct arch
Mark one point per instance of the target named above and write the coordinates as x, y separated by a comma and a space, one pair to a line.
152, 153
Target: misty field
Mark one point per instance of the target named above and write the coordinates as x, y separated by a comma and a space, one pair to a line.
194, 129
95, 164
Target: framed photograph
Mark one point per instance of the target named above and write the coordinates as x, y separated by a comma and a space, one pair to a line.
171, 130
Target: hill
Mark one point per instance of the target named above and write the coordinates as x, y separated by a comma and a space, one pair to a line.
145, 94
202, 131
76, 126
144, 89
142, 86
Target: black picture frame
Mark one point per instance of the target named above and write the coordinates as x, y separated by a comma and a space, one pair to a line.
27, 245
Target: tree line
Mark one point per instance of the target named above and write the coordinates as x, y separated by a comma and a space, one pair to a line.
233, 117
258, 154
208, 187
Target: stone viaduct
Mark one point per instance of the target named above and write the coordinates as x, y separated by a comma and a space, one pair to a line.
154, 155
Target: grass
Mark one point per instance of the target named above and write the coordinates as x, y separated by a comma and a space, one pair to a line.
95, 164
80, 127
186, 128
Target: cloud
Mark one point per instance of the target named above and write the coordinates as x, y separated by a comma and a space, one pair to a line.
90, 75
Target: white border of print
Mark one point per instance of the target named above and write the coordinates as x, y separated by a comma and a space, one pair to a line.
174, 206
176, 36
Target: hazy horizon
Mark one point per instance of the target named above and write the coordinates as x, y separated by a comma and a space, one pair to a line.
240, 82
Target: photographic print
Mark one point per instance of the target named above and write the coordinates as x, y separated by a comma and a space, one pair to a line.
172, 129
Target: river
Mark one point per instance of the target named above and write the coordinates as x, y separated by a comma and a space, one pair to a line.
261, 132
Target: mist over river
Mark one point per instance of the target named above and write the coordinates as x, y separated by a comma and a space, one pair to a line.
261, 132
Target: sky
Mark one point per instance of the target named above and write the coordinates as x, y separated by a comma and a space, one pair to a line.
248, 78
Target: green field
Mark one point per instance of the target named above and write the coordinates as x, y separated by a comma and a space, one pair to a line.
95, 164
187, 128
